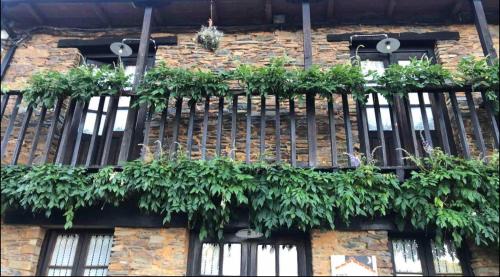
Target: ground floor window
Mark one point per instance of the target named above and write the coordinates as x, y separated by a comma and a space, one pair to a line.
421, 256
76, 253
279, 256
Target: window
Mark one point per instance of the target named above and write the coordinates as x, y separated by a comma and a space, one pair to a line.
422, 257
76, 253
261, 257
408, 110
98, 108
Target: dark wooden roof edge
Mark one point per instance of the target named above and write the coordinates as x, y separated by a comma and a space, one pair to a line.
77, 43
408, 36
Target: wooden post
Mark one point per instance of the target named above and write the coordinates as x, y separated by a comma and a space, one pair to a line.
483, 31
310, 104
132, 119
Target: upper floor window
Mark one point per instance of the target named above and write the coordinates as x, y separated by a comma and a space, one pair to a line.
76, 253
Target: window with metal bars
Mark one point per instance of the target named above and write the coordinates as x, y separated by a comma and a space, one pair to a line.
420, 256
255, 257
76, 253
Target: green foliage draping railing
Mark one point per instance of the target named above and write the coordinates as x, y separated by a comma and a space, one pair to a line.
448, 194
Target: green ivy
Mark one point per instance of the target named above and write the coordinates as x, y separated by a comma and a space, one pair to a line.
479, 74
162, 82
451, 195
276, 78
81, 83
454, 196
418, 74
45, 188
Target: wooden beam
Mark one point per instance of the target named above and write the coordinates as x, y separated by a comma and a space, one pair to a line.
310, 103
77, 43
142, 56
101, 14
483, 31
215, 17
330, 9
35, 12
268, 11
409, 36
390, 8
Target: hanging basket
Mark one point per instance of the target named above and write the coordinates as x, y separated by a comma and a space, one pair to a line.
209, 37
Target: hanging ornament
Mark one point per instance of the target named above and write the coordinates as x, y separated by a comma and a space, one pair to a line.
209, 37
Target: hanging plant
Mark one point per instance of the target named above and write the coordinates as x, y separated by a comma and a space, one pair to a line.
209, 37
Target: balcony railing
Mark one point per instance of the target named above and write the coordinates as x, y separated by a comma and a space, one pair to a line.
250, 128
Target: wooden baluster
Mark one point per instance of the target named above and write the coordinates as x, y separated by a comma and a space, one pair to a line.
333, 135
10, 126
397, 139
460, 124
425, 120
147, 131
76, 149
475, 124
277, 119
5, 100
365, 140
36, 138
66, 127
22, 134
492, 118
220, 118
248, 129
380, 127
293, 138
177, 120
192, 110
440, 108
109, 126
95, 131
262, 138
52, 128
404, 103
233, 126
205, 129
347, 127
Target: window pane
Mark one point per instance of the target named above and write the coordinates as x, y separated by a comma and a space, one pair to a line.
288, 262
95, 272
106, 103
210, 259
404, 62
59, 272
124, 101
406, 259
445, 259
266, 261
88, 126
120, 120
101, 126
413, 97
94, 103
129, 72
372, 120
369, 66
99, 250
231, 259
64, 250
418, 122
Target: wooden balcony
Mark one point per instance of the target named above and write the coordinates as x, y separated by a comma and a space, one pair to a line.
249, 128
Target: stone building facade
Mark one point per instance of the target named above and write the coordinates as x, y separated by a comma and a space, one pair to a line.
164, 251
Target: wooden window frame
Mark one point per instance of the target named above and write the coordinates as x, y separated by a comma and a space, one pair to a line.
249, 252
407, 48
82, 248
424, 251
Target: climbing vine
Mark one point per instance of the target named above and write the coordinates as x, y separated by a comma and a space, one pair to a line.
277, 78
454, 196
